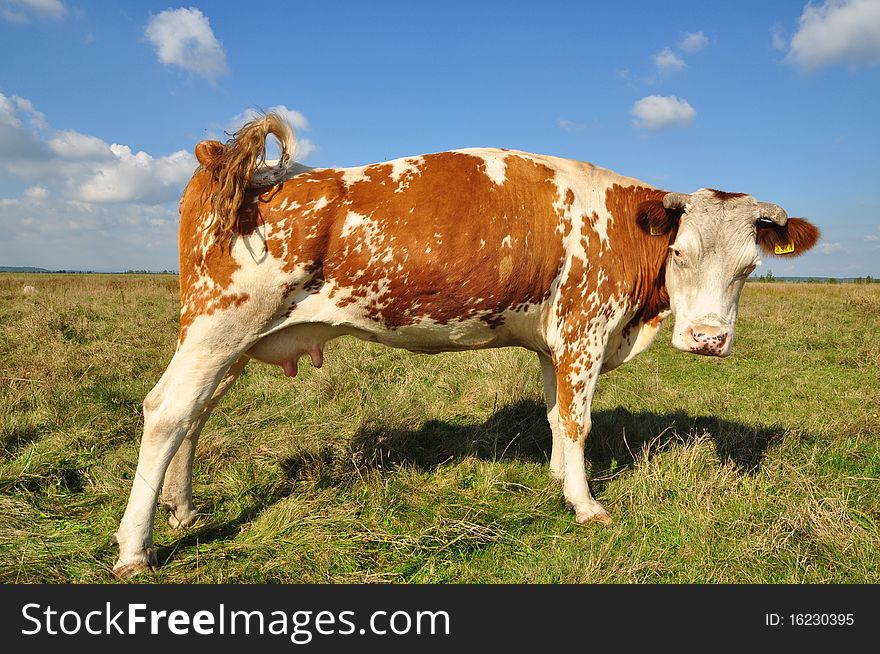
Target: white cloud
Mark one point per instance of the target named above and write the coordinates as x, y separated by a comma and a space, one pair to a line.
137, 177
36, 119
657, 112
667, 61
8, 111
14, 108
872, 238
20, 11
830, 248
19, 125
81, 166
183, 37
73, 145
68, 234
87, 204
36, 193
778, 41
837, 32
692, 41
570, 125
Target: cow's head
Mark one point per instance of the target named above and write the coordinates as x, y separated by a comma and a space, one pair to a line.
713, 249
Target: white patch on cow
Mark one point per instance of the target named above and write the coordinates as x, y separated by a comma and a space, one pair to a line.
494, 165
623, 347
352, 221
405, 166
320, 203
353, 175
507, 241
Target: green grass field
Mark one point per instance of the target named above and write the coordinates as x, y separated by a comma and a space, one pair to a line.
386, 466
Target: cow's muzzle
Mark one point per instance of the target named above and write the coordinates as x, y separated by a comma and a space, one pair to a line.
708, 340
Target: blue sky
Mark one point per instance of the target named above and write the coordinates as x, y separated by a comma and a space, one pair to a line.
102, 103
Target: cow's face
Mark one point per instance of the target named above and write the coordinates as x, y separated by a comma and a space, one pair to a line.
711, 255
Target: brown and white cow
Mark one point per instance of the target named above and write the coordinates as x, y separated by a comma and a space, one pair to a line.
458, 250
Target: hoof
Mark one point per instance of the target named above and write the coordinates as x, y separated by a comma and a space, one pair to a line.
603, 518
144, 561
180, 518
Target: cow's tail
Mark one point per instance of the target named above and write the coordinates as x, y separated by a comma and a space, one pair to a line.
232, 166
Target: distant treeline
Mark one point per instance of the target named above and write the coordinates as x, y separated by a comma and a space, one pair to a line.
770, 277
28, 269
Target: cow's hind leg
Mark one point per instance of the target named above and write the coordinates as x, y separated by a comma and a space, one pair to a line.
176, 497
171, 410
557, 460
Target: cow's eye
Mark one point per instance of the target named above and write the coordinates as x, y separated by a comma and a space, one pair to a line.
678, 255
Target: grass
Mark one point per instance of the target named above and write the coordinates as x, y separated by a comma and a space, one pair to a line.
390, 467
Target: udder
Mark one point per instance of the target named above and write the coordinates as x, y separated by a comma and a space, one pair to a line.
285, 348
290, 364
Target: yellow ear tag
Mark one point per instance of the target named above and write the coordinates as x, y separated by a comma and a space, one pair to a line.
788, 248
655, 231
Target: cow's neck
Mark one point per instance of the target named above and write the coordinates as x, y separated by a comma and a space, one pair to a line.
648, 303
639, 275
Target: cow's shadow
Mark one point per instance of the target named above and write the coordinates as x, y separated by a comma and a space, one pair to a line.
521, 431
518, 431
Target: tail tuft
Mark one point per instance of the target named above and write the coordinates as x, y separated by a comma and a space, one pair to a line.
232, 166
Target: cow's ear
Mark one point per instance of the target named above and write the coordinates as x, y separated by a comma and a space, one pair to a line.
656, 219
207, 152
792, 239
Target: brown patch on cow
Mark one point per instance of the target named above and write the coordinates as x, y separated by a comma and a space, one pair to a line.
639, 268
300, 232
724, 195
411, 255
655, 219
797, 232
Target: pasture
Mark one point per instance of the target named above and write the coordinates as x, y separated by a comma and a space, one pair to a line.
384, 466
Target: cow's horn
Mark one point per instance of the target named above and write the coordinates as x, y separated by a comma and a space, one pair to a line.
772, 212
675, 200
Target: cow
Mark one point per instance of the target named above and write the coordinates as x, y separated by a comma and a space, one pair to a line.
453, 251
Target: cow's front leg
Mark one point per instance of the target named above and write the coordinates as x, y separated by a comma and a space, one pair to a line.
575, 384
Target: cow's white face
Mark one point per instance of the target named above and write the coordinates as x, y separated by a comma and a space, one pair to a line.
708, 263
